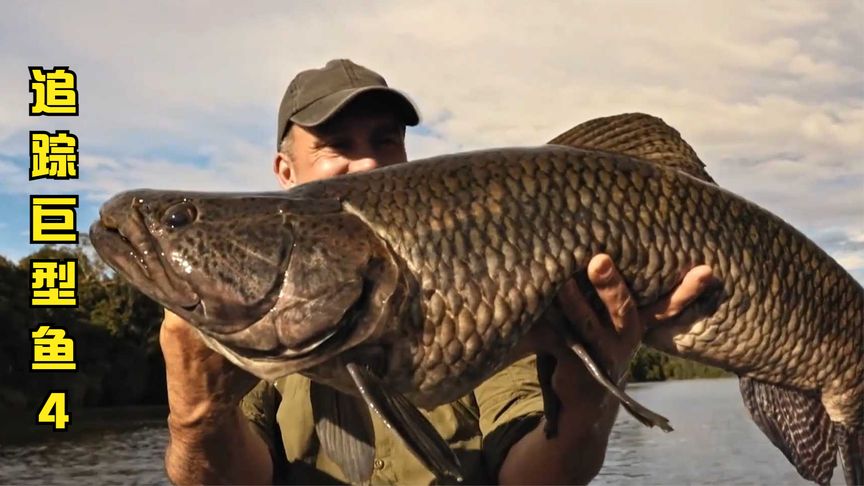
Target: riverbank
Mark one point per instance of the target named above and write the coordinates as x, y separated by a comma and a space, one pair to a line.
650, 365
20, 427
20, 421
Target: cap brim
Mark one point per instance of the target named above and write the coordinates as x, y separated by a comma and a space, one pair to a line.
325, 108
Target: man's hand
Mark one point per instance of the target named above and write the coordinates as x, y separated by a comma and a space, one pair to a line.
588, 410
202, 384
211, 440
617, 334
616, 344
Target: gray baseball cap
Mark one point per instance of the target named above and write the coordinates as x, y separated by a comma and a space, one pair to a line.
315, 95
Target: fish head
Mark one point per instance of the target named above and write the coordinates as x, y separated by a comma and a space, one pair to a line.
215, 259
275, 284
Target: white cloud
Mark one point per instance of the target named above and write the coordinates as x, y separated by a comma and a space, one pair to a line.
10, 173
235, 167
851, 260
771, 95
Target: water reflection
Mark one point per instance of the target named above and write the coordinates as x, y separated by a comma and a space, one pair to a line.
110, 457
714, 442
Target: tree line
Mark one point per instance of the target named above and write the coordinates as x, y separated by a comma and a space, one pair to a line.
115, 330
116, 333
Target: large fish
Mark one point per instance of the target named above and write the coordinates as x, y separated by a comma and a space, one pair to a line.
411, 284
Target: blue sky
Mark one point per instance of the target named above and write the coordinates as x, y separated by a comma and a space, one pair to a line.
770, 94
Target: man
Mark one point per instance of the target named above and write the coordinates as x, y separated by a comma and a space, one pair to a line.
342, 119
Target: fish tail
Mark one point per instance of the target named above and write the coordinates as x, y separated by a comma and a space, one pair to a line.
797, 423
850, 444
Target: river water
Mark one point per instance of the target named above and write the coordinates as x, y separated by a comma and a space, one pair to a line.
714, 442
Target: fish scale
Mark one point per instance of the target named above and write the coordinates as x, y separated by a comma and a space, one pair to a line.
479, 243
603, 183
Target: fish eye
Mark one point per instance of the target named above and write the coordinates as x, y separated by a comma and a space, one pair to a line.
179, 215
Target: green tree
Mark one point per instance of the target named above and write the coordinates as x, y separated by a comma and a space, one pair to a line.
115, 329
652, 365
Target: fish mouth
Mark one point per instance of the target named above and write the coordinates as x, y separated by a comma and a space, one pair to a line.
320, 344
130, 249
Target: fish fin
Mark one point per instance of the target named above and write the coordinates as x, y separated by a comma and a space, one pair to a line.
546, 364
637, 135
636, 409
406, 421
569, 335
850, 442
344, 428
796, 423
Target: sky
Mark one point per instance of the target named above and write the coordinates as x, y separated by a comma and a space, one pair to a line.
184, 95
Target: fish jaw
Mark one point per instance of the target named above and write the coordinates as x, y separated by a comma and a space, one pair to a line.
345, 292
127, 247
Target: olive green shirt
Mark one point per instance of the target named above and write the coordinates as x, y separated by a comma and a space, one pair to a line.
480, 428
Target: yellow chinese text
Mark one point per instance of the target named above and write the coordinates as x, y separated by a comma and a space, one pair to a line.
52, 350
53, 156
55, 91
53, 283
52, 219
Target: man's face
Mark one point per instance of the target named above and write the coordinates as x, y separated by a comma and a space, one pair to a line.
363, 136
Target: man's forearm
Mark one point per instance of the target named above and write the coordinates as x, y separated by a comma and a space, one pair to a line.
220, 450
588, 410
211, 441
577, 452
